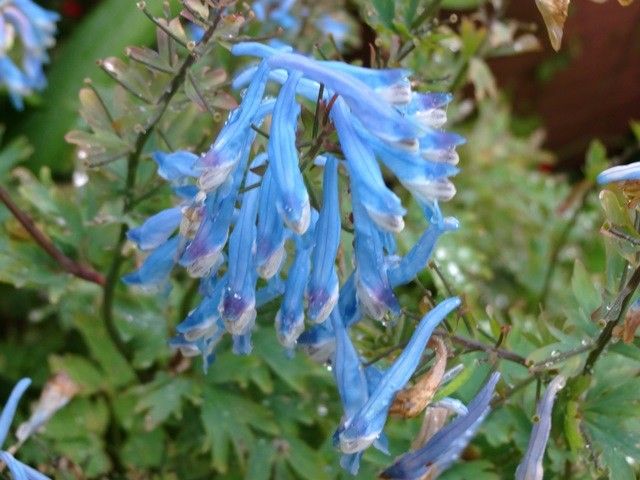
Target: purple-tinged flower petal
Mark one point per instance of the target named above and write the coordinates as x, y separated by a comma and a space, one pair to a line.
620, 173
270, 236
290, 317
9, 410
238, 303
530, 467
176, 166
446, 445
371, 280
323, 288
293, 199
204, 319
318, 342
235, 137
156, 229
361, 430
382, 205
154, 272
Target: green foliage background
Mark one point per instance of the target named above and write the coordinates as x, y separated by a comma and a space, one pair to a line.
523, 264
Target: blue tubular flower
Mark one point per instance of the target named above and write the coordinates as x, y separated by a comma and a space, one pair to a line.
361, 430
380, 117
156, 229
35, 27
382, 205
270, 236
530, 467
153, 274
353, 385
417, 258
176, 166
293, 199
204, 320
290, 317
446, 445
620, 173
18, 469
323, 288
238, 308
371, 280
223, 156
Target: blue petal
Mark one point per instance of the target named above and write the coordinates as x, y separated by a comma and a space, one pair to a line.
176, 166
293, 199
620, 173
290, 317
156, 229
348, 370
382, 205
371, 280
323, 288
270, 236
447, 444
238, 307
530, 468
9, 410
234, 138
155, 270
418, 257
15, 467
360, 431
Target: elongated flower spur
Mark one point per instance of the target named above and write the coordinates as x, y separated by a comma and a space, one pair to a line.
19, 470
531, 466
26, 32
227, 232
445, 446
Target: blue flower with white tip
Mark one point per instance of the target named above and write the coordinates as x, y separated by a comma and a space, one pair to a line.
18, 469
260, 231
26, 32
446, 445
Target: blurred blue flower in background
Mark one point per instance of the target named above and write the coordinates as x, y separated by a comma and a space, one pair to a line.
19, 470
26, 32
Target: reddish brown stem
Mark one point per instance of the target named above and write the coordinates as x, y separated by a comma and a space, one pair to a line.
67, 264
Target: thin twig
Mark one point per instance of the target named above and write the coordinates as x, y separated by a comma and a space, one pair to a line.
623, 299
69, 265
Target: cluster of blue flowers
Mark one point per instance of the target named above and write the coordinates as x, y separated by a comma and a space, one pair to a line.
26, 32
19, 470
242, 216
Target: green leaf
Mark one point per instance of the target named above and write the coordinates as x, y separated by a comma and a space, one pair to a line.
386, 11
584, 290
86, 375
144, 449
261, 460
305, 461
231, 419
163, 398
596, 160
111, 26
